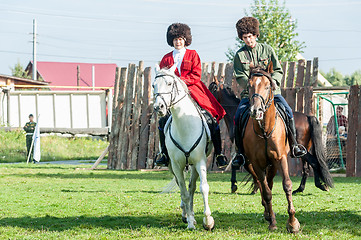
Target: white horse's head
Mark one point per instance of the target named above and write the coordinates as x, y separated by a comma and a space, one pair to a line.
167, 88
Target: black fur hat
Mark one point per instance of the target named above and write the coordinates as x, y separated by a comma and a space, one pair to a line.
247, 25
177, 30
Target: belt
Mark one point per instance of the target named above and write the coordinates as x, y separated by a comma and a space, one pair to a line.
29, 134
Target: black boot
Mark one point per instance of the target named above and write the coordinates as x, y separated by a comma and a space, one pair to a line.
217, 143
164, 158
239, 159
297, 150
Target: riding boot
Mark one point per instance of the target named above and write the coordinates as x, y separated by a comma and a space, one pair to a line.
217, 143
164, 157
239, 159
297, 150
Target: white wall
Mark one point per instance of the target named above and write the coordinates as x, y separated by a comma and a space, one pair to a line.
58, 109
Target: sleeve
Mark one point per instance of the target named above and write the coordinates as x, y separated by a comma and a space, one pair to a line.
194, 76
277, 68
25, 127
239, 72
163, 63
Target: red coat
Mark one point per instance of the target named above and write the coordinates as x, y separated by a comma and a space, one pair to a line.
191, 75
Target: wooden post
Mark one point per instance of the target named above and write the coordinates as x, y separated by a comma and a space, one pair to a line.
315, 72
220, 72
213, 70
353, 109
284, 69
308, 108
291, 92
125, 161
112, 141
308, 73
136, 117
228, 74
204, 72
358, 139
299, 84
144, 120
151, 147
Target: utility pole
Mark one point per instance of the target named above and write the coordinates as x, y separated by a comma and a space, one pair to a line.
34, 51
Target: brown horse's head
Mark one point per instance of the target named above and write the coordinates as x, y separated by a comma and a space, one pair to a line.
260, 87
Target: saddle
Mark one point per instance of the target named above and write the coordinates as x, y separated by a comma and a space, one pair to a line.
245, 117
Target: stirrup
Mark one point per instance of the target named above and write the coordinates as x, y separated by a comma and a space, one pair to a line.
237, 161
225, 161
159, 163
302, 152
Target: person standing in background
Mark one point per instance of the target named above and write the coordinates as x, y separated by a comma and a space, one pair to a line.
29, 129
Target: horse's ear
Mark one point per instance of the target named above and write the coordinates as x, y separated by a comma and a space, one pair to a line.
270, 67
157, 68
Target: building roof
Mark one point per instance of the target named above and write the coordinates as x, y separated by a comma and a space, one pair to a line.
65, 73
22, 81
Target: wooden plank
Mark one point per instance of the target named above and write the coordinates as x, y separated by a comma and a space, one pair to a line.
353, 109
308, 73
358, 139
212, 74
136, 116
152, 132
144, 120
101, 157
315, 72
284, 69
308, 108
228, 74
126, 158
288, 94
220, 72
204, 72
299, 83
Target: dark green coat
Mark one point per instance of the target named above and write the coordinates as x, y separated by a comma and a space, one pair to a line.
261, 55
30, 127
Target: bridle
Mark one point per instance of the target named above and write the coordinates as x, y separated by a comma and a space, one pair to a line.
172, 92
265, 105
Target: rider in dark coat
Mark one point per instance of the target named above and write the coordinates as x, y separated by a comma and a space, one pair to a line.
251, 55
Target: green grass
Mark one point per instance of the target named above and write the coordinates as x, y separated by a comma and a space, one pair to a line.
53, 148
60, 202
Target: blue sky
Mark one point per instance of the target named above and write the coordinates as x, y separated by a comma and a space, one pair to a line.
113, 31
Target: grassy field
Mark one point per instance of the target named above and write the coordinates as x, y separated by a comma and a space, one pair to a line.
13, 147
60, 202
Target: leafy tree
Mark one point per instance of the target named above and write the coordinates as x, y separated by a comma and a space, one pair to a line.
19, 71
354, 79
277, 29
337, 79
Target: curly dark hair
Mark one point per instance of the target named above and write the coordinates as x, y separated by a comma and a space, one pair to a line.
177, 30
247, 25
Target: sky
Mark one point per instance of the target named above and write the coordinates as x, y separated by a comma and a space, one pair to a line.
122, 32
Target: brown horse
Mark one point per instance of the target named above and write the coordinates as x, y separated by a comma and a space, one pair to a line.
266, 145
309, 134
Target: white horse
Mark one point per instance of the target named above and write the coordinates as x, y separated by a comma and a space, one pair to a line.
186, 141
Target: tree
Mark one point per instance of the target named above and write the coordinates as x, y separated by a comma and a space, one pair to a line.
277, 29
19, 71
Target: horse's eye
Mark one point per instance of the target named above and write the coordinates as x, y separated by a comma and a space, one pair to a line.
169, 83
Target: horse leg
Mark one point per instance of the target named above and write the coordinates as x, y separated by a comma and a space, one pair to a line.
234, 179
305, 174
191, 189
256, 184
266, 194
185, 198
293, 225
208, 221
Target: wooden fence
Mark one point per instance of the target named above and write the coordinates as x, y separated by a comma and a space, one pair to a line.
353, 155
134, 134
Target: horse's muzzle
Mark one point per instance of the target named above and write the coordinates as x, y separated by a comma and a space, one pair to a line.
160, 109
257, 113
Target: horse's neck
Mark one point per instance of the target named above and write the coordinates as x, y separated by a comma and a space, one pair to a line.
186, 118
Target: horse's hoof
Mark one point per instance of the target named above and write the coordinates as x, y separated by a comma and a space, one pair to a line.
296, 191
293, 227
272, 227
191, 227
184, 219
208, 225
234, 188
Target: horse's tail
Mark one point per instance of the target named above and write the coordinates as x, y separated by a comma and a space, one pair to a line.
316, 136
171, 186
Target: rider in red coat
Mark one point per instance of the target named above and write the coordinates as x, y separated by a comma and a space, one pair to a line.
189, 70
